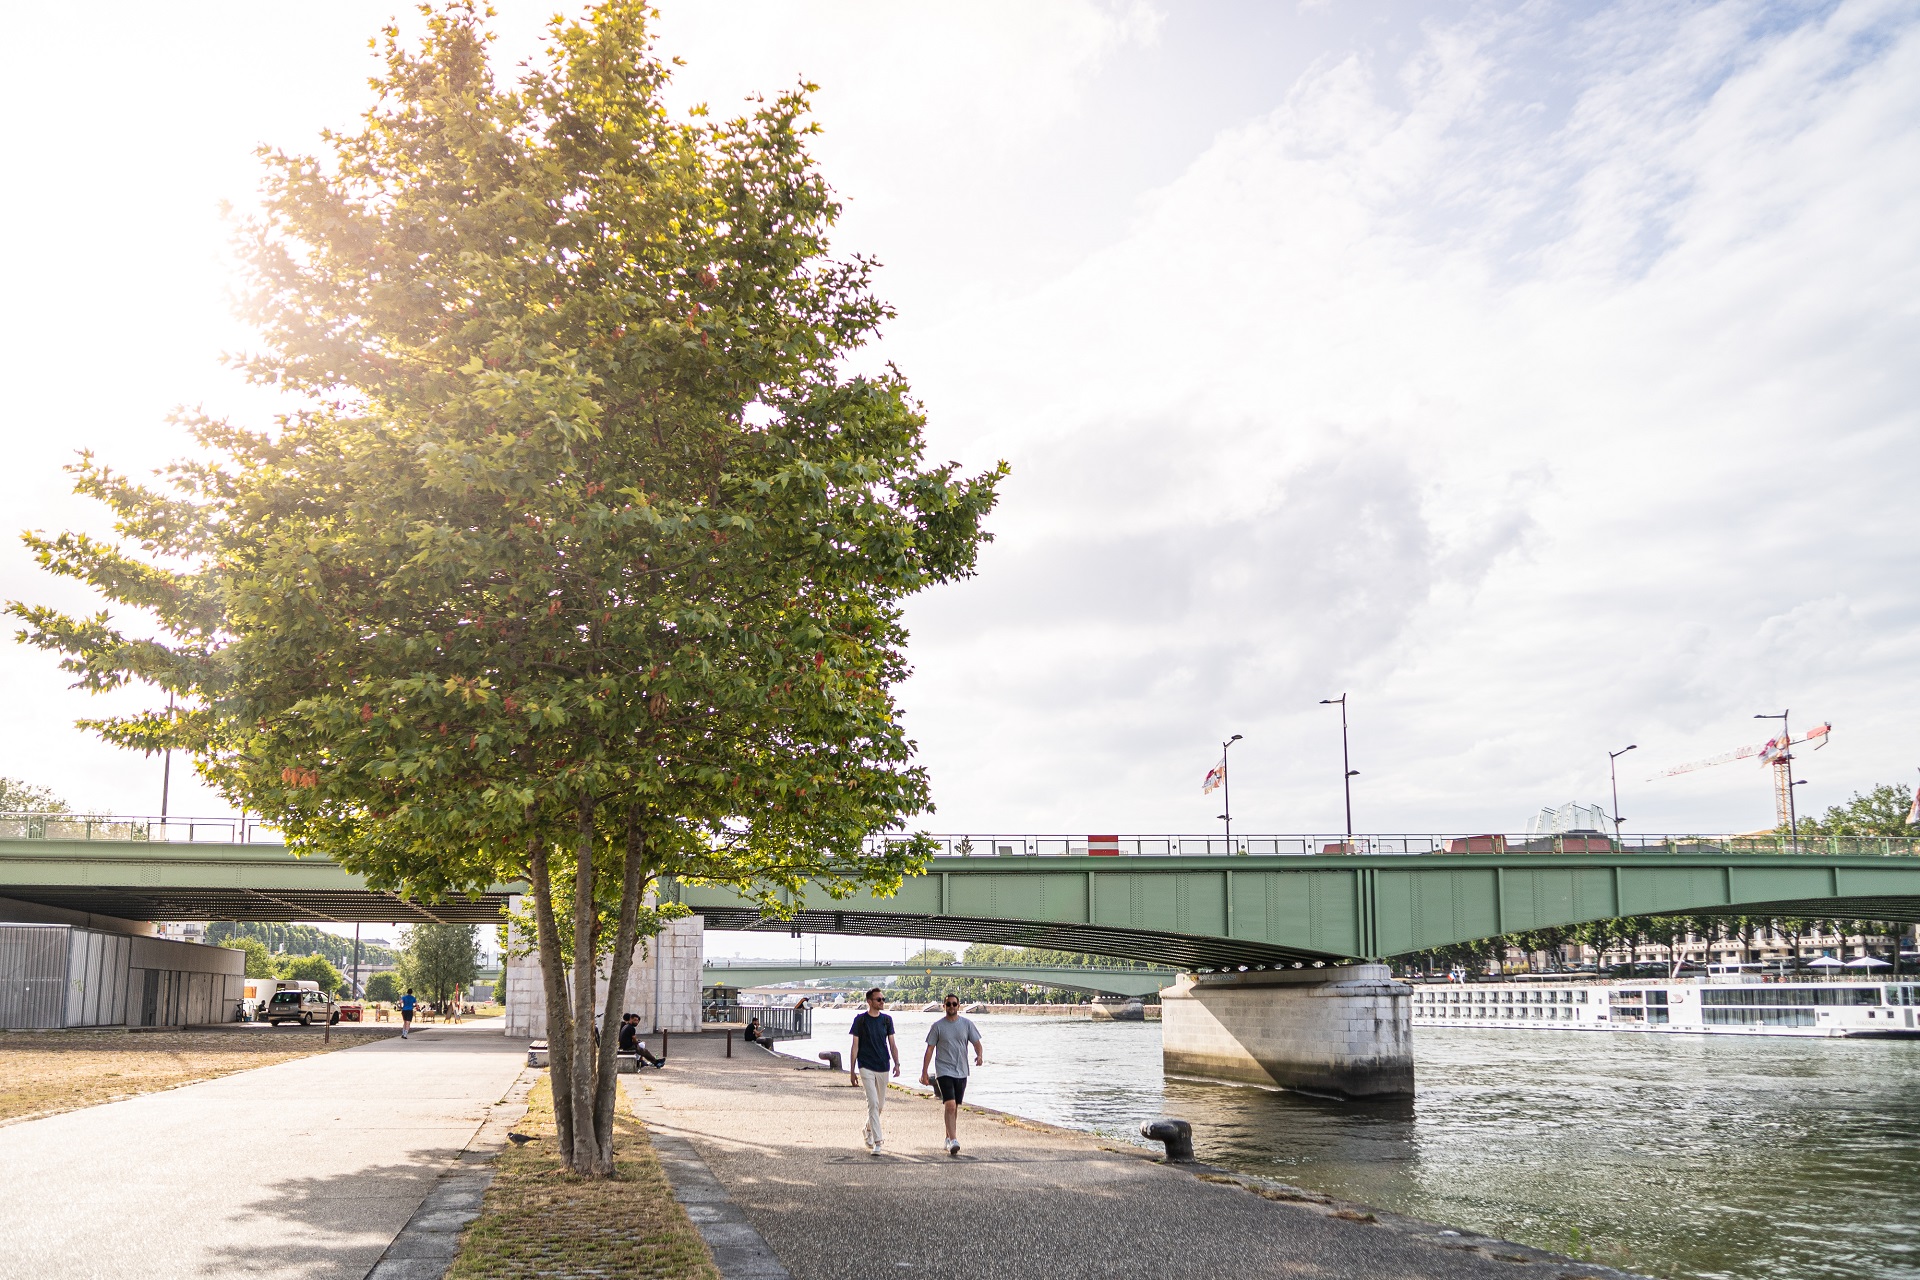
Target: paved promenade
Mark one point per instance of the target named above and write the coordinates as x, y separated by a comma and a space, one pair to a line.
303, 1171
1024, 1202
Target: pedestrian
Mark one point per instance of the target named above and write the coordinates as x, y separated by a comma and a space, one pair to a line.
630, 1041
946, 1057
407, 1006
752, 1034
874, 1052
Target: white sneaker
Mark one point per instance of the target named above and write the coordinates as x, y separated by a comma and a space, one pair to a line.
953, 1147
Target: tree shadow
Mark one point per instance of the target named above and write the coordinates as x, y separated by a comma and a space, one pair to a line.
323, 1228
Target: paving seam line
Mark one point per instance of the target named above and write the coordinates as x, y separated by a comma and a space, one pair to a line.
739, 1251
427, 1245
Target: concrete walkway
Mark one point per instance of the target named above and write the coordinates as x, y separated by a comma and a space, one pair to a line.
1023, 1202
305, 1170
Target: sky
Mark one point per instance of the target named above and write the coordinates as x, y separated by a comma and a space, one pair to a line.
1540, 376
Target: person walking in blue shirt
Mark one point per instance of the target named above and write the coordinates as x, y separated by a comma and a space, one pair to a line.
875, 1051
407, 1004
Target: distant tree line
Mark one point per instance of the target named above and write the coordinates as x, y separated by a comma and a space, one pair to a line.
434, 960
914, 989
305, 940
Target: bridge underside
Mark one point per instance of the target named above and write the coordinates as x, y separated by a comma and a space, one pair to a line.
340, 906
1173, 949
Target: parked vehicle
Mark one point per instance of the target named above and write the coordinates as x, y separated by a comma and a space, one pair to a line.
256, 992
303, 1007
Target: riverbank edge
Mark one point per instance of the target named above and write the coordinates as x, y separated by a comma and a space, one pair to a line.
1401, 1224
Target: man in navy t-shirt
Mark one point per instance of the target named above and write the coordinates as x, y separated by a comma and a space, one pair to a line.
875, 1052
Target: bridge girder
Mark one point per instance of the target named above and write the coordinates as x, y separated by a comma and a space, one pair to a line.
1216, 912
1098, 981
1224, 913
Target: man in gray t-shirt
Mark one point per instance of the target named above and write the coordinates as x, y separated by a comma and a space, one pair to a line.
946, 1059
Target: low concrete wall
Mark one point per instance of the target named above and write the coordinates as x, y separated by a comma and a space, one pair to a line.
1345, 1030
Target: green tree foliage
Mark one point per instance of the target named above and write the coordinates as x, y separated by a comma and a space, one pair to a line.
580, 557
437, 959
259, 960
918, 988
1879, 812
304, 939
383, 986
24, 797
315, 969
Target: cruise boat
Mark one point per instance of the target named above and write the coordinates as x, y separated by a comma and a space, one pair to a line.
1717, 1004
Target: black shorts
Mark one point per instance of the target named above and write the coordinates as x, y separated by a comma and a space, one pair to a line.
950, 1088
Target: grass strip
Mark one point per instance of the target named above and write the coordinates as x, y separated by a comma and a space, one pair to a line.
43, 1073
538, 1220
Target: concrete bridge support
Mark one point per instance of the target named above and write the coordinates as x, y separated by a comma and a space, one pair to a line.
1346, 1030
663, 986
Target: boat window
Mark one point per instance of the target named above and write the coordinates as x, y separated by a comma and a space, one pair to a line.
1717, 1017
1656, 997
1580, 997
1788, 994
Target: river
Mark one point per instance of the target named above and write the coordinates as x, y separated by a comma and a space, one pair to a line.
1679, 1156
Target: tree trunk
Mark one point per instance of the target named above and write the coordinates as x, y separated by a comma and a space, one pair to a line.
553, 978
586, 920
606, 1079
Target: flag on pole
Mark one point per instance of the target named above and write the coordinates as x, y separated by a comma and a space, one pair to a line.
1215, 776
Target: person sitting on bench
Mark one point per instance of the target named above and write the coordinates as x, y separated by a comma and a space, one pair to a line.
753, 1032
630, 1041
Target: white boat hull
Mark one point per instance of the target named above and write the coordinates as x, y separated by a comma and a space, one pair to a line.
1684, 1006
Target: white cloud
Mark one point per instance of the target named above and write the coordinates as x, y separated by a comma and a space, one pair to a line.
1543, 382
1540, 436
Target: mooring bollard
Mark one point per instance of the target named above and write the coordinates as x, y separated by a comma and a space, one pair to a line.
729, 1042
1177, 1134
832, 1058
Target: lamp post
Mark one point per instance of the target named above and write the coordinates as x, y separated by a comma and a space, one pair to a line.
1786, 747
1226, 789
1348, 772
1613, 776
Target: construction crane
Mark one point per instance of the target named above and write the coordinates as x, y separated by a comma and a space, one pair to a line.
1775, 751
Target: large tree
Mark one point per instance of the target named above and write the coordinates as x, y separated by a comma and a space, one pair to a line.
1881, 811
580, 557
437, 959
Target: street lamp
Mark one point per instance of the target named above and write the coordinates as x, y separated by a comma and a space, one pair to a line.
1349, 773
1786, 748
1226, 789
1613, 775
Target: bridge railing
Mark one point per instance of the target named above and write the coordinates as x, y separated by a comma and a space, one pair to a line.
246, 830
1253, 846
776, 1022
139, 828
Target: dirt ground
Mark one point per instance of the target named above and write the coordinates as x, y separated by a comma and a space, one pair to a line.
46, 1072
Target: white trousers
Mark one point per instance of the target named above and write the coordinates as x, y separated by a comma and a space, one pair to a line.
875, 1083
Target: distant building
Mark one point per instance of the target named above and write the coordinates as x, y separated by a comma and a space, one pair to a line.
194, 931
1570, 818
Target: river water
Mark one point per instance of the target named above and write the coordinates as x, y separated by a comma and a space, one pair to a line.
1716, 1158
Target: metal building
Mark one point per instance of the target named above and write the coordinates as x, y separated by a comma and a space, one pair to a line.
57, 975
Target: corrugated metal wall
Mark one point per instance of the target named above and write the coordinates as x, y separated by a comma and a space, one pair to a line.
97, 978
56, 975
33, 975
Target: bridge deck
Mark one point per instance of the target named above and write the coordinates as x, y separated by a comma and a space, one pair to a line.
1207, 912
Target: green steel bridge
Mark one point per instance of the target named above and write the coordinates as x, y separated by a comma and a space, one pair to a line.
1100, 981
1157, 899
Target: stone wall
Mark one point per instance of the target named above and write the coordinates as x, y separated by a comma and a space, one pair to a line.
1345, 1030
680, 948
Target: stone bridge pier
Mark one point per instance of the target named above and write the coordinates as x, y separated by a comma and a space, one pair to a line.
1345, 1030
